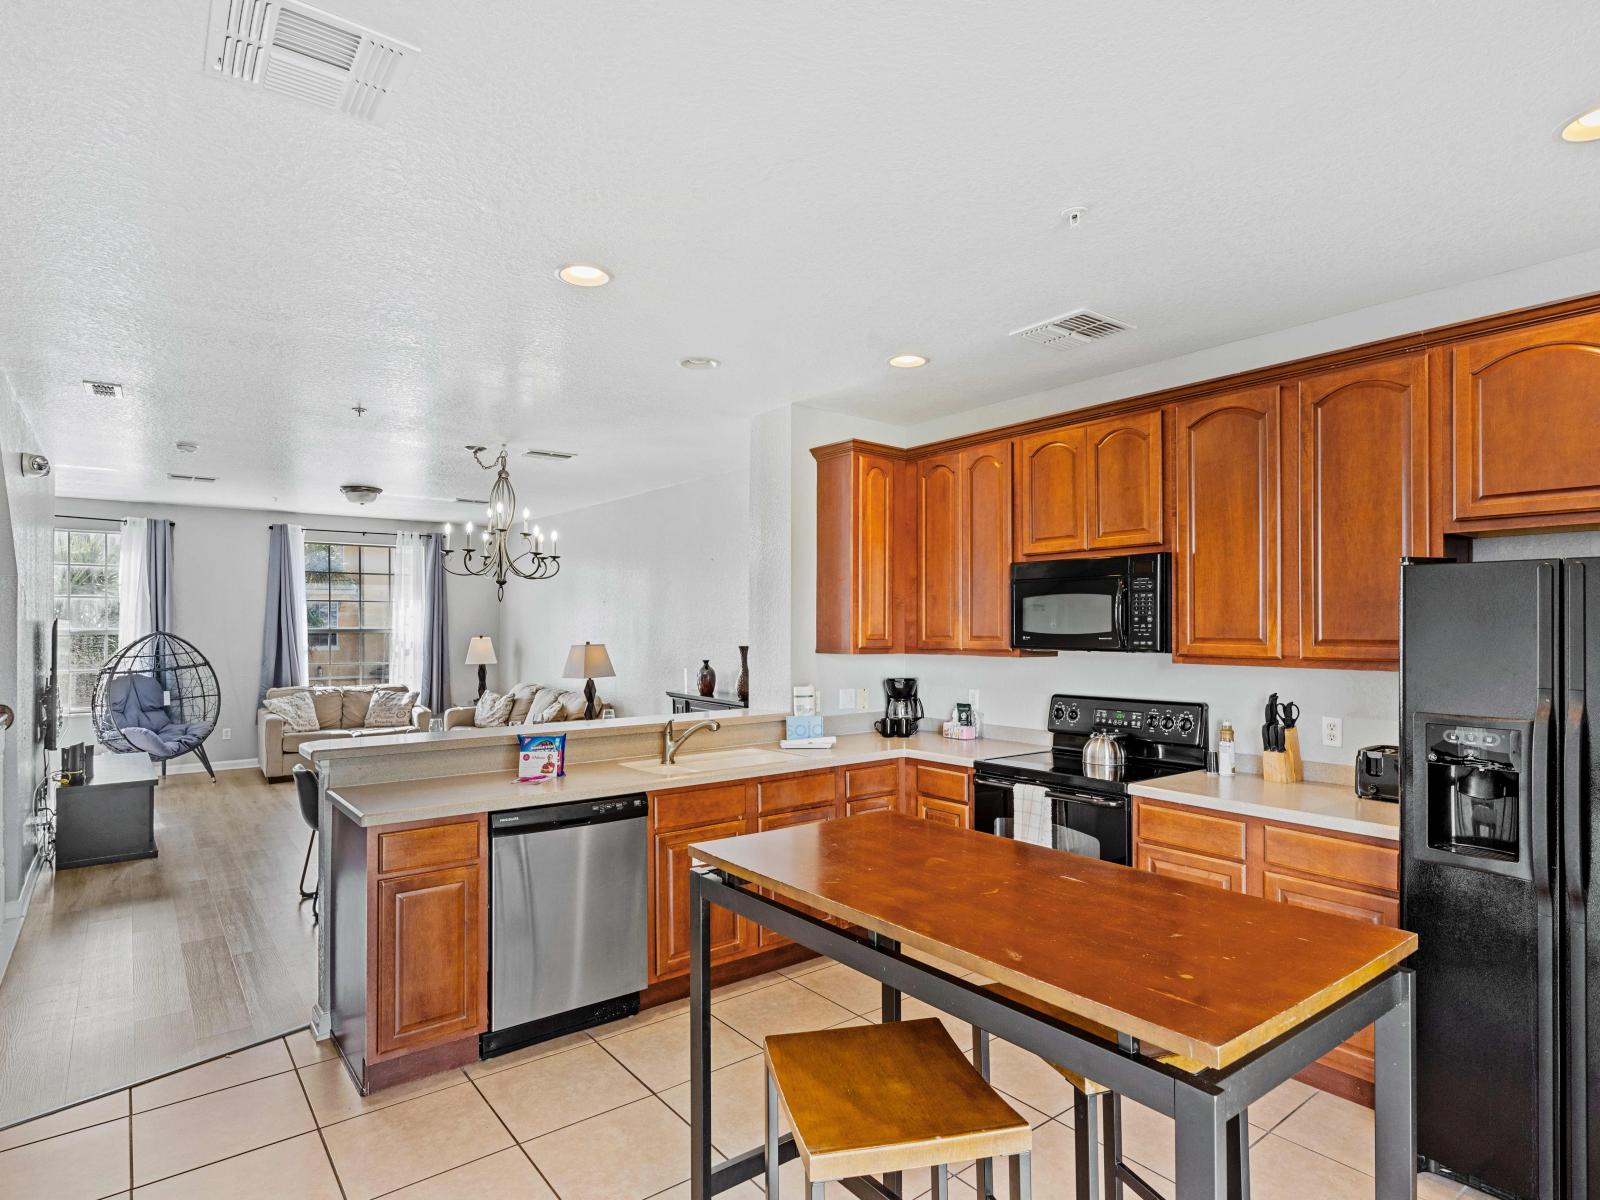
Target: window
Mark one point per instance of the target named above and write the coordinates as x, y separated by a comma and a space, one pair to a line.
86, 563
347, 612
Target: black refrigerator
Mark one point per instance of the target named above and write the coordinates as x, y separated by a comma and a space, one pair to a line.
1497, 840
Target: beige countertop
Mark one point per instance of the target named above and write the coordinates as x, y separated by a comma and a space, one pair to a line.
1316, 805
466, 795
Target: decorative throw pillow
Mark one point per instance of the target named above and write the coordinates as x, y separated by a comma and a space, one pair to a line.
390, 710
330, 706
574, 705
353, 703
298, 711
545, 706
493, 709
522, 702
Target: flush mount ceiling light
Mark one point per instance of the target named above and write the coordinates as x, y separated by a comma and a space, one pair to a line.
1583, 129
699, 364
908, 362
584, 275
360, 493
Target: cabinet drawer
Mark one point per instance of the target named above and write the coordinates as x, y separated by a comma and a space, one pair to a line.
875, 780
947, 783
431, 846
1196, 868
1334, 858
1222, 837
697, 806
796, 791
944, 812
868, 804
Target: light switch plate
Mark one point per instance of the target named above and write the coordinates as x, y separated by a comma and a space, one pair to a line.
972, 698
1332, 731
847, 699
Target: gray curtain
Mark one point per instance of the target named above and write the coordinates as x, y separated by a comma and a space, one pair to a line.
284, 654
158, 573
434, 690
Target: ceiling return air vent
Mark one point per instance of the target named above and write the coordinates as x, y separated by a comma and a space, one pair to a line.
102, 391
557, 455
173, 475
1073, 328
308, 54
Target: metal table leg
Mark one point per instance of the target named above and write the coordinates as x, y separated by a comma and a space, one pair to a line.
891, 1012
1202, 1137
1394, 1094
699, 1040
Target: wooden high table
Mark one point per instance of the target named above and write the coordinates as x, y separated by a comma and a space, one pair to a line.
1253, 990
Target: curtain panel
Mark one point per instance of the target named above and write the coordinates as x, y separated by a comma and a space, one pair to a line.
284, 644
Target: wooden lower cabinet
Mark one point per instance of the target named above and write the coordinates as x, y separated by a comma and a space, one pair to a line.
943, 812
765, 938
669, 903
1343, 874
430, 968
939, 793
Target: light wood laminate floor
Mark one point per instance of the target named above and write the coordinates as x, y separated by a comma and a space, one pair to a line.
130, 970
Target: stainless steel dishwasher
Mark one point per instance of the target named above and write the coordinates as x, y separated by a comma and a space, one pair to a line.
566, 918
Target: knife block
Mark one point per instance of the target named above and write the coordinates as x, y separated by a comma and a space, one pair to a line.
1284, 766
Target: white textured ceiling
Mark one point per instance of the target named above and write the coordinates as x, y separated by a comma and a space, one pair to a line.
799, 190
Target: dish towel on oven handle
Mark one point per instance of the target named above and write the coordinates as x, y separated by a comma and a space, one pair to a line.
1031, 815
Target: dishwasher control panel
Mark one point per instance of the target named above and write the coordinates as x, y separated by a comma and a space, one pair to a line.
611, 808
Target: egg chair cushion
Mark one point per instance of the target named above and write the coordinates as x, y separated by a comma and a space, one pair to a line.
135, 702
167, 742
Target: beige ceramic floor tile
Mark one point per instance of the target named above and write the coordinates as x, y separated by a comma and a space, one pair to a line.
659, 1054
1282, 1170
298, 1167
83, 1165
407, 1143
912, 1009
806, 966
504, 1062
645, 1016
258, 1062
1277, 1104
1028, 1077
562, 1089
740, 986
745, 1191
79, 1116
626, 1154
305, 1049
194, 1132
1053, 1172
784, 1007
846, 987
507, 1175
738, 1105
1333, 1127
334, 1097
1437, 1187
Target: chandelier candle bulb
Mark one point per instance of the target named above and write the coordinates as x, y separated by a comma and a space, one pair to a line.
447, 537
525, 515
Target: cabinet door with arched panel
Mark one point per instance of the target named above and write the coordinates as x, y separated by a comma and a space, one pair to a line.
1124, 481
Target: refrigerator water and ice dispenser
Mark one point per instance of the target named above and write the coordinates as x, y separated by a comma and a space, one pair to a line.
1476, 789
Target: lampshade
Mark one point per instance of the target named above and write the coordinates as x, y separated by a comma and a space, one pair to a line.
588, 661
480, 650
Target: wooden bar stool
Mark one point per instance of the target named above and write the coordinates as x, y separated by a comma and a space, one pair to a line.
877, 1099
1086, 1113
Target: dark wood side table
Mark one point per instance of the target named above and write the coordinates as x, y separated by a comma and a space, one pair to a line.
686, 702
110, 820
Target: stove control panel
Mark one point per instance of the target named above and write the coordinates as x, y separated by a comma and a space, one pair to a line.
1149, 720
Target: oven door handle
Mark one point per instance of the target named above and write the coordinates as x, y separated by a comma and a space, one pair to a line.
1085, 798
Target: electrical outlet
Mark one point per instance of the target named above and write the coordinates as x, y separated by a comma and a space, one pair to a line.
1332, 731
847, 699
972, 698
227, 735
862, 699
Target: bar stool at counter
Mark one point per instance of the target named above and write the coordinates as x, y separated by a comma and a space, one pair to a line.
1085, 1114
881, 1099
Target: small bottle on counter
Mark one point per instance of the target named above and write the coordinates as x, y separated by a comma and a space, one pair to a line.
1225, 759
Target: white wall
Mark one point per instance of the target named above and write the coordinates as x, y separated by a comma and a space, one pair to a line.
662, 579
219, 595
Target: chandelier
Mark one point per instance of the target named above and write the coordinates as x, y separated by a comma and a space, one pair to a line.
490, 551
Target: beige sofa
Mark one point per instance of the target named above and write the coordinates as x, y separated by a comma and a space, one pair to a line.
341, 712
539, 703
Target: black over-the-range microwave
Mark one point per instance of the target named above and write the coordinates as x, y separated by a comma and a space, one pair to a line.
1122, 603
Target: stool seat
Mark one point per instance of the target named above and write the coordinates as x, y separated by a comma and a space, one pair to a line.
883, 1098
1087, 1086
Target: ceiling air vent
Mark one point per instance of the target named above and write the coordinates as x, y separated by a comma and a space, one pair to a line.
173, 475
306, 53
558, 455
1079, 325
102, 391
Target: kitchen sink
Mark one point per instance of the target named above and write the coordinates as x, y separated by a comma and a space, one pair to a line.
712, 760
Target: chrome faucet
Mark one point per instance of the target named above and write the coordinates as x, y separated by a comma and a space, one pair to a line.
671, 745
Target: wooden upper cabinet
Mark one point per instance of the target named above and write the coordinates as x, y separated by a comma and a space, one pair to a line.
1227, 555
1051, 513
1124, 498
1525, 409
986, 549
858, 519
1362, 431
939, 546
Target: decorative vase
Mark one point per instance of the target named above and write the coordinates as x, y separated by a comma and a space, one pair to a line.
744, 676
707, 679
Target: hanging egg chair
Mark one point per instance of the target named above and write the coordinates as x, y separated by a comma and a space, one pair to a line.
158, 696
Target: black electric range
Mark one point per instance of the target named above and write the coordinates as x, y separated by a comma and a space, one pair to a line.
1090, 809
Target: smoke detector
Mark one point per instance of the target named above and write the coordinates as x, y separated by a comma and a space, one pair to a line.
102, 391
307, 53
360, 493
35, 466
1070, 329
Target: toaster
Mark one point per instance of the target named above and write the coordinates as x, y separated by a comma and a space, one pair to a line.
1378, 772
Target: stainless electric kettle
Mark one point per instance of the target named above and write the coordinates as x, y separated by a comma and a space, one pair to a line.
1103, 755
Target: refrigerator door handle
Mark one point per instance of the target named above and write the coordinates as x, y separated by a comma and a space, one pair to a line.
1574, 887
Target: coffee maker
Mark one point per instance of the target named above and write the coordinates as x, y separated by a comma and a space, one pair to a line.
901, 708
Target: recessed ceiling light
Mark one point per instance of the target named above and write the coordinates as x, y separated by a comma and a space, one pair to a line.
1585, 128
699, 364
908, 361
584, 275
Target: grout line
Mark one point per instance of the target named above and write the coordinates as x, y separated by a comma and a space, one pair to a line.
395, 1103
447, 1171
513, 1137
225, 1158
328, 1154
201, 1095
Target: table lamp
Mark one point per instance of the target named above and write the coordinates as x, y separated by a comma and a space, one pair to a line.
588, 662
480, 653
